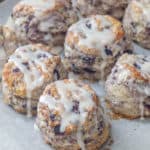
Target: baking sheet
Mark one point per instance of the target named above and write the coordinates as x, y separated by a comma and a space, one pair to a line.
17, 131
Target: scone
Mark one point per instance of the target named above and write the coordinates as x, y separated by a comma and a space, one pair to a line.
26, 75
128, 87
93, 45
43, 21
8, 40
70, 116
91, 7
137, 22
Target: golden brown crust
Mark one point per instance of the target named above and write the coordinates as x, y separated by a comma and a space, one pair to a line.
15, 80
73, 38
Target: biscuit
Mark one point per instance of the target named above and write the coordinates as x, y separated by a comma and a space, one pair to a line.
137, 22
70, 116
93, 45
26, 75
43, 21
128, 87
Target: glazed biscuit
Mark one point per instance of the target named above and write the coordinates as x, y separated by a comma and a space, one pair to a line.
70, 116
26, 74
93, 45
92, 7
43, 21
128, 86
137, 22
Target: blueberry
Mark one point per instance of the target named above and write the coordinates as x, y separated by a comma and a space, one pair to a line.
88, 60
57, 130
108, 51
56, 74
26, 64
41, 56
133, 24
88, 140
88, 24
26, 27
52, 117
128, 51
75, 107
100, 127
16, 70
75, 69
34, 108
12, 15
137, 66
89, 70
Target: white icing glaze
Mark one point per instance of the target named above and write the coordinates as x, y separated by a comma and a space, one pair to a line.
94, 38
123, 75
65, 104
32, 76
39, 5
145, 6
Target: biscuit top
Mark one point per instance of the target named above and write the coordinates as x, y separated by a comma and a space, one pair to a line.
39, 7
72, 100
28, 68
135, 71
92, 35
141, 7
25, 58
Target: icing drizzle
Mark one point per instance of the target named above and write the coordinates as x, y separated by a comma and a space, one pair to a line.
27, 60
72, 108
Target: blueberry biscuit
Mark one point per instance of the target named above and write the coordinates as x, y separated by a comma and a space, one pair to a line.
91, 7
137, 22
93, 45
26, 74
43, 21
70, 116
128, 86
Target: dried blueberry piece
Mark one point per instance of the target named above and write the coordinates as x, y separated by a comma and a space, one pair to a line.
89, 70
145, 59
107, 27
52, 117
24, 106
88, 24
41, 56
133, 24
34, 108
57, 130
75, 69
56, 74
128, 51
100, 127
108, 51
12, 15
147, 105
88, 140
75, 107
137, 66
88, 60
30, 17
16, 70
26, 64
26, 27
